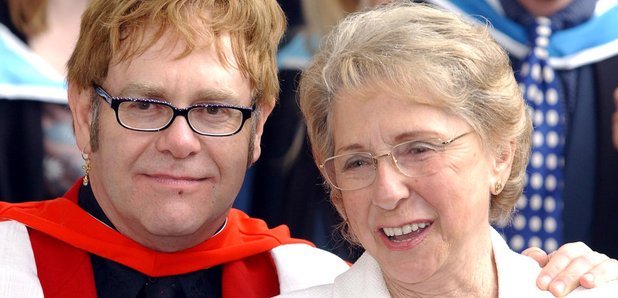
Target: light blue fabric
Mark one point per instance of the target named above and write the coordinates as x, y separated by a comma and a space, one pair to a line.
23, 75
599, 35
295, 54
597, 32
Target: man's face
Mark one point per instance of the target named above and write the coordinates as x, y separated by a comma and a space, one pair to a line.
544, 7
172, 189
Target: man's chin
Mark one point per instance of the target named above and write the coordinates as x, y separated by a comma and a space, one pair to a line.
175, 237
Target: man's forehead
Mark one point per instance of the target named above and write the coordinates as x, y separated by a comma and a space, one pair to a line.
210, 67
165, 41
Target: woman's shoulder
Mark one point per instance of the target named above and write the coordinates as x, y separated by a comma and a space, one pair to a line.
363, 279
301, 266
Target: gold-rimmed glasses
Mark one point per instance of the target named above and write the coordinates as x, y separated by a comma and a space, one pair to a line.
413, 158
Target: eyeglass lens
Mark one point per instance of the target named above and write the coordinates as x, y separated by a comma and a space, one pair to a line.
204, 119
413, 159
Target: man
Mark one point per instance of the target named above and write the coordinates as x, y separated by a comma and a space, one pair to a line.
152, 215
156, 183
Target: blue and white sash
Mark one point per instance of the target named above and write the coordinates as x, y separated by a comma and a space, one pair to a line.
25, 75
590, 42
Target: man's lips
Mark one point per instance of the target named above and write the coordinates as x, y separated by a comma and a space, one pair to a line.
175, 179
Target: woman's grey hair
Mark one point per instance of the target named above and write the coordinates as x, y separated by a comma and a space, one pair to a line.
406, 49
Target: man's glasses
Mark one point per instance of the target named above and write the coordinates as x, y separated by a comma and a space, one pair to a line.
416, 158
145, 114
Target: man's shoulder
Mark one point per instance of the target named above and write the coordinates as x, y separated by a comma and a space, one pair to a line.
251, 228
10, 229
301, 266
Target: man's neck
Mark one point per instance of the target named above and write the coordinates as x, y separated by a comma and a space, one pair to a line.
88, 202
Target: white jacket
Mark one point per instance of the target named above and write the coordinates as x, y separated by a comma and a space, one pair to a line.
516, 278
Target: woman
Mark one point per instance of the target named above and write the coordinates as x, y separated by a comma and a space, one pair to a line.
419, 127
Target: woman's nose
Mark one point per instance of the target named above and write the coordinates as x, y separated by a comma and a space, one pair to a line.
390, 184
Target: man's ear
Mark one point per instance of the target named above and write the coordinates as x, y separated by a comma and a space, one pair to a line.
502, 163
264, 112
81, 109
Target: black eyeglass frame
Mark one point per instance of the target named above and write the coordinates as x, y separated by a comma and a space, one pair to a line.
115, 102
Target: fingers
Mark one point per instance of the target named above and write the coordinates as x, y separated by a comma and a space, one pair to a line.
569, 279
558, 262
602, 273
572, 263
615, 120
539, 255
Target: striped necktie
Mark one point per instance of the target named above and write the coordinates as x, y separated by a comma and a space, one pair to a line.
538, 221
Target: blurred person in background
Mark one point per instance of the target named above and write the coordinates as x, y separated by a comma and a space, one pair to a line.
569, 48
286, 185
38, 156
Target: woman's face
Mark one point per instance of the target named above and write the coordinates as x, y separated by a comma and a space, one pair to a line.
448, 209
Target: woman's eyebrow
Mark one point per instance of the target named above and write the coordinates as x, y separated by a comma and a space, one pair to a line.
406, 136
355, 147
416, 135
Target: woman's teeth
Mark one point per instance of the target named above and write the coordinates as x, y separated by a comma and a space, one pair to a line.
405, 229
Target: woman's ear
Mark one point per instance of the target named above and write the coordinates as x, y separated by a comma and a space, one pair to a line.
81, 108
501, 168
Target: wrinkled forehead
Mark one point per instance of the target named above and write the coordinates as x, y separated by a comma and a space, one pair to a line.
168, 41
382, 95
409, 91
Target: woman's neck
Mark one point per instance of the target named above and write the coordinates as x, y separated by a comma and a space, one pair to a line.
471, 273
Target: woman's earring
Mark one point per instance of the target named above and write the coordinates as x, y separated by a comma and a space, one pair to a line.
86, 168
497, 188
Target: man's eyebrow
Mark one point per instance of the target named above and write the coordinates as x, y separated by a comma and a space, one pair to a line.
141, 90
145, 90
216, 94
